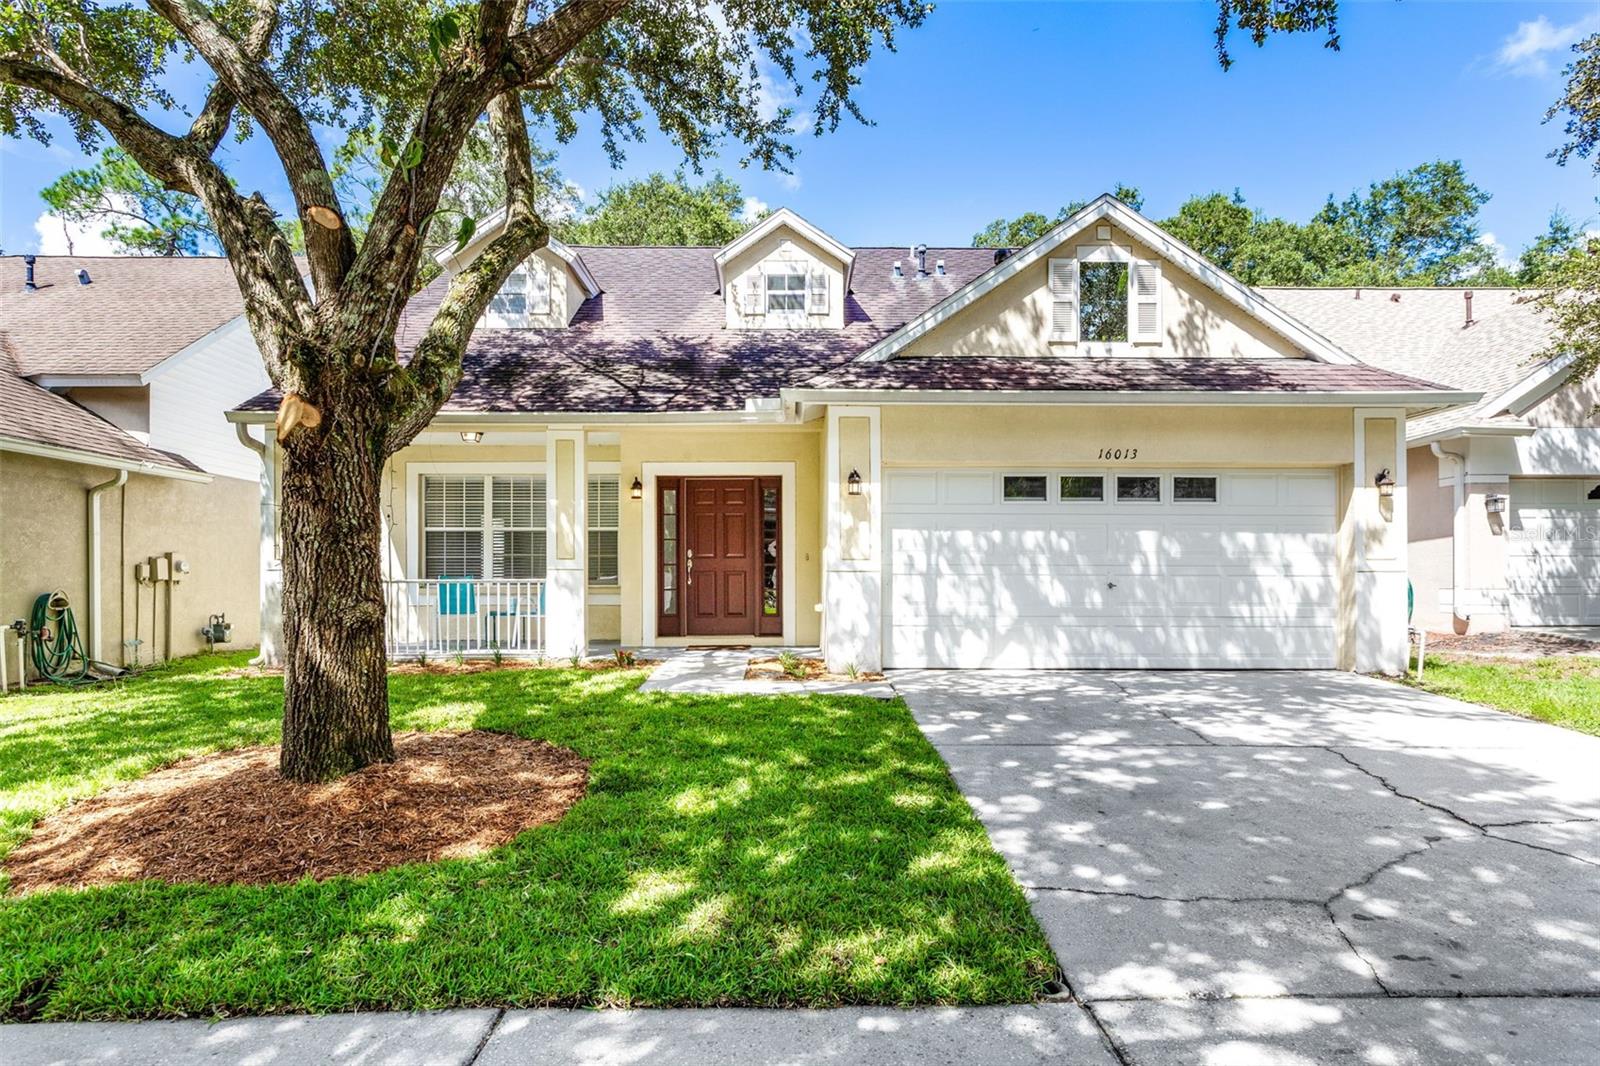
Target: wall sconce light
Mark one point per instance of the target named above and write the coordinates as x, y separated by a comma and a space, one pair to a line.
472, 436
1385, 483
1494, 503
853, 483
636, 490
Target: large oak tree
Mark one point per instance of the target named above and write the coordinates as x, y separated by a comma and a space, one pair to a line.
425, 72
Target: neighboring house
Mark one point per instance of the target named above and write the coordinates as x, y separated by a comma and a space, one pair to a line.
1097, 451
1505, 493
116, 460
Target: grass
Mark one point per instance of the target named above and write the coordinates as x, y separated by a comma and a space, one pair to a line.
1562, 690
760, 851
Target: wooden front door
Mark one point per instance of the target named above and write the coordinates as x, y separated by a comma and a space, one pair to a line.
722, 564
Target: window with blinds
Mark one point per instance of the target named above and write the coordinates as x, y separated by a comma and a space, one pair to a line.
462, 514
604, 520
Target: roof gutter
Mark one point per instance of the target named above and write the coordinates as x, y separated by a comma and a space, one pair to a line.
774, 415
1458, 432
74, 455
1421, 400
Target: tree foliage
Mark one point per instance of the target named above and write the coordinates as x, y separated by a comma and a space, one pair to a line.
662, 210
139, 216
1030, 226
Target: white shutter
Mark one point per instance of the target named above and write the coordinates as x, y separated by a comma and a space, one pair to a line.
538, 288
1064, 300
1144, 302
753, 294
817, 294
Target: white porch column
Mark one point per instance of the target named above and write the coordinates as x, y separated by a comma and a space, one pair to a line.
852, 573
271, 653
1376, 624
566, 544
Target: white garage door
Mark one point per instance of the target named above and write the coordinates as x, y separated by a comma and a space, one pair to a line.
991, 568
1553, 552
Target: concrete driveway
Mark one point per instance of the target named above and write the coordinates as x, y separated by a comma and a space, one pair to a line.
1291, 867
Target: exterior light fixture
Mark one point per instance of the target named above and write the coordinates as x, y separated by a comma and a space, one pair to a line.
1494, 503
636, 490
853, 483
472, 436
1385, 483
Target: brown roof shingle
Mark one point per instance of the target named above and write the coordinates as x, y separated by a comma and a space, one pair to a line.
34, 415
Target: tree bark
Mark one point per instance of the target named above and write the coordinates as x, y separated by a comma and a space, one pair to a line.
335, 693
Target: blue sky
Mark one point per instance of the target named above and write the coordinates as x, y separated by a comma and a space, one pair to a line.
996, 108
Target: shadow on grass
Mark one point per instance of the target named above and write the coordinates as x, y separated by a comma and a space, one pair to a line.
756, 850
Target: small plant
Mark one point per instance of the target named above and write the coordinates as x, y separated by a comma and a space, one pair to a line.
460, 659
852, 671
626, 658
422, 658
576, 661
792, 664
496, 654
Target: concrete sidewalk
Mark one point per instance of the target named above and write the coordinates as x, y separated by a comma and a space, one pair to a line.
1057, 1033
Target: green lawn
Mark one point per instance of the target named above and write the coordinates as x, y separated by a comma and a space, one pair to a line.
772, 851
1563, 690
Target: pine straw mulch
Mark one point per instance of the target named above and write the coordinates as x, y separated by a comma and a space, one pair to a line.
811, 670
1510, 644
228, 818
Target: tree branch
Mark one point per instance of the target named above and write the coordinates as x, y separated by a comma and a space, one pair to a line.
331, 251
534, 53
212, 121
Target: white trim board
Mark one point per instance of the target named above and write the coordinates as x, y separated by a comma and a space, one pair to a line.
1166, 247
786, 572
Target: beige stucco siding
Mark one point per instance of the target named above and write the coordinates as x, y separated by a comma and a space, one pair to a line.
1163, 436
44, 546
1431, 513
1571, 405
1014, 319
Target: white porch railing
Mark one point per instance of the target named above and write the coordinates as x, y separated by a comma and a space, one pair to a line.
462, 616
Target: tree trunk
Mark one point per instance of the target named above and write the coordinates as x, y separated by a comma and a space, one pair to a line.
335, 691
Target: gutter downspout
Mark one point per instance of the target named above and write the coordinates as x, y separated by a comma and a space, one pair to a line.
1457, 534
96, 625
266, 655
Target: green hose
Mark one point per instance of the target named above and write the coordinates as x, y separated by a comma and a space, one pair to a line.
56, 642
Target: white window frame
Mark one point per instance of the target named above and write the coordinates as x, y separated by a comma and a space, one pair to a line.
1049, 491
598, 472
415, 472
1173, 488
536, 296
1103, 253
1105, 487
793, 317
1163, 495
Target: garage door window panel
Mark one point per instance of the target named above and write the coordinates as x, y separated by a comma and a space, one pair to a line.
1082, 488
1138, 488
1194, 488
1025, 488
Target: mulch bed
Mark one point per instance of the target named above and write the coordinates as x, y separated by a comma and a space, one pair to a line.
1509, 645
811, 670
228, 818
470, 666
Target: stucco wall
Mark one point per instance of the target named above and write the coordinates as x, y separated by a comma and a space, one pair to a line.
44, 546
1571, 405
1164, 436
1014, 319
1431, 509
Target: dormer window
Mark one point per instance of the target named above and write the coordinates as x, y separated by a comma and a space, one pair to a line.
786, 291
1104, 300
524, 297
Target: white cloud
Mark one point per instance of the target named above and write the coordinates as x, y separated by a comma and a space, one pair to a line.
790, 181
1536, 48
1502, 255
754, 208
60, 237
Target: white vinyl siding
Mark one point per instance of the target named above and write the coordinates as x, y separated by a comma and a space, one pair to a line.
604, 529
1144, 302
974, 581
483, 526
1064, 300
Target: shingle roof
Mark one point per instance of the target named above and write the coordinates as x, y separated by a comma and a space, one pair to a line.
654, 341
1423, 332
1009, 374
34, 415
135, 312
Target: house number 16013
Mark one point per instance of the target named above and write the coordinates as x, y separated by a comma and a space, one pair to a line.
1119, 453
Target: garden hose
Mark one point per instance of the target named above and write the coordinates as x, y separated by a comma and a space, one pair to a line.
57, 645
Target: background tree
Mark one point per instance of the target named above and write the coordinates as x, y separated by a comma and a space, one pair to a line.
139, 215
662, 210
1420, 227
1030, 226
423, 73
